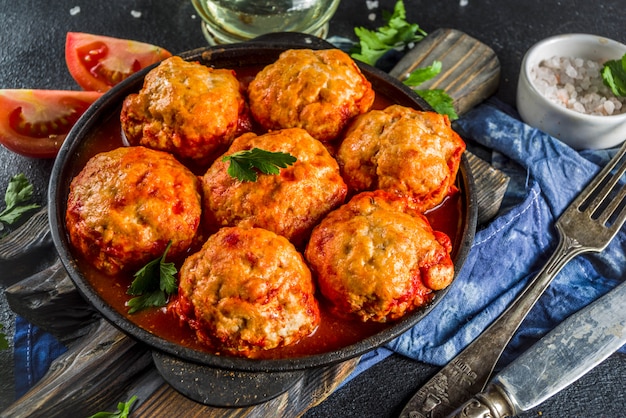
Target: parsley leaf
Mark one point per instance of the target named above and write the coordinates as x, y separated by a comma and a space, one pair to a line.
397, 33
4, 343
153, 299
420, 75
244, 164
153, 284
614, 76
123, 410
18, 192
440, 101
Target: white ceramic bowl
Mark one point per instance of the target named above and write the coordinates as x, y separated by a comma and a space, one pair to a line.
580, 131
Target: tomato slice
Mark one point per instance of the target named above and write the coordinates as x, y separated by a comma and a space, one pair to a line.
100, 62
34, 123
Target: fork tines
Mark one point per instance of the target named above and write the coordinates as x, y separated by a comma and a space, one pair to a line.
605, 197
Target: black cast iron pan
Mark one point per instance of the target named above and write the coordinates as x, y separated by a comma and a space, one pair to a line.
222, 380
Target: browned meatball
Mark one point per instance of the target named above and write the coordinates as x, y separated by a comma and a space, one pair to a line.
186, 108
289, 203
247, 290
377, 259
319, 91
404, 151
127, 204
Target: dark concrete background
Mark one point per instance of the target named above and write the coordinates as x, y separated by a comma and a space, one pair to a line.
32, 39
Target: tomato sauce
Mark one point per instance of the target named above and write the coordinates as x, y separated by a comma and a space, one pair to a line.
332, 334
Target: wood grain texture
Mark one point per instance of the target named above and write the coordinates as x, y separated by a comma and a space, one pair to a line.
50, 300
25, 250
470, 69
313, 388
86, 379
491, 186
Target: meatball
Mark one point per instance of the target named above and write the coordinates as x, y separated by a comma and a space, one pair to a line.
126, 205
289, 203
377, 259
317, 90
402, 150
186, 108
247, 290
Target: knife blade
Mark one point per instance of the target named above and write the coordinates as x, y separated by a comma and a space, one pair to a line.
565, 354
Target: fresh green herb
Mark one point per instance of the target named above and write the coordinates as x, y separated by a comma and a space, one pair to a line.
153, 284
4, 343
19, 191
243, 164
437, 98
439, 101
420, 75
614, 76
396, 34
123, 410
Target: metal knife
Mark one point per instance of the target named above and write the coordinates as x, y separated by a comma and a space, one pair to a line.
574, 347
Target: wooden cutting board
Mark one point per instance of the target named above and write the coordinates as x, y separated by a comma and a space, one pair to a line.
103, 366
470, 69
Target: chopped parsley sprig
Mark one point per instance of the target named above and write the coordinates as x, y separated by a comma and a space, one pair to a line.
614, 76
123, 410
153, 284
398, 34
244, 164
18, 193
437, 98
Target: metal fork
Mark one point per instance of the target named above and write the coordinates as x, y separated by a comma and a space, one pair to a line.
588, 224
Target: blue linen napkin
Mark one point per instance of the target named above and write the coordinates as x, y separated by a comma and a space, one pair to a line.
34, 350
545, 176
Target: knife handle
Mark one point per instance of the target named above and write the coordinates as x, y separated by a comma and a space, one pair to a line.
492, 403
569, 351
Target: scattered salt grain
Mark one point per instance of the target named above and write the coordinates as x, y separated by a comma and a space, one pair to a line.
576, 84
74, 10
463, 3
371, 4
135, 14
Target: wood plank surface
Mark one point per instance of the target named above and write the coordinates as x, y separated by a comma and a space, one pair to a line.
312, 389
470, 69
86, 379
